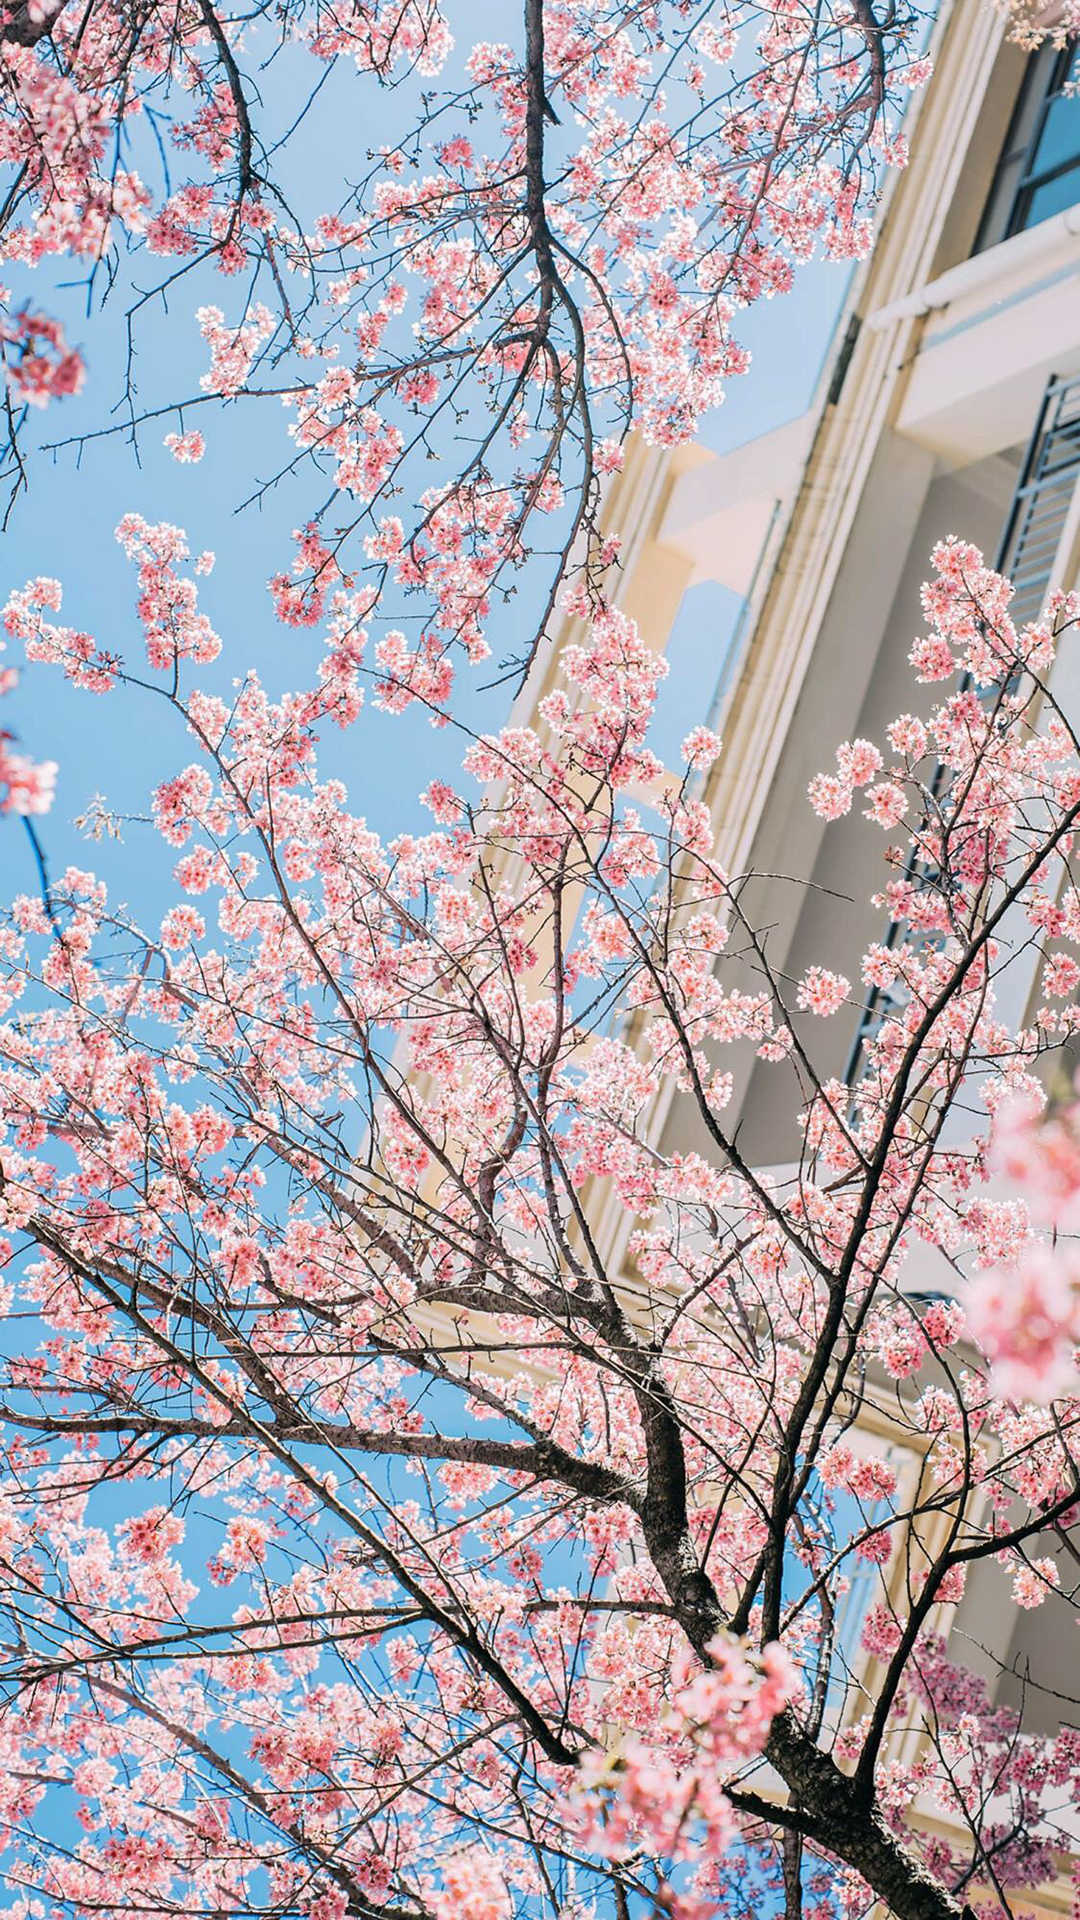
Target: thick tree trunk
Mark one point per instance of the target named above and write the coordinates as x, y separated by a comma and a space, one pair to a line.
832, 1814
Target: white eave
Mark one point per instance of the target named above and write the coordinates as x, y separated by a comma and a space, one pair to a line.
995, 328
717, 514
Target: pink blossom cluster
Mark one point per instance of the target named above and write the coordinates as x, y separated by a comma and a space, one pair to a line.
1025, 1310
39, 366
26, 786
472, 1887
668, 1794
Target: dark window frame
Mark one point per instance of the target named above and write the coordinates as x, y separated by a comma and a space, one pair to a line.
1018, 177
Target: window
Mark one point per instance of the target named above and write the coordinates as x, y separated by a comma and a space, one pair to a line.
1038, 173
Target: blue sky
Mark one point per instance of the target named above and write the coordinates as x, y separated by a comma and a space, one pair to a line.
64, 526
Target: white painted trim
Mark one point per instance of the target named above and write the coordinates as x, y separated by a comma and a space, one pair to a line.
981, 270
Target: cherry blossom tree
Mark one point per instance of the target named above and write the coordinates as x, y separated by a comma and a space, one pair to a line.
376, 1540
371, 1545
